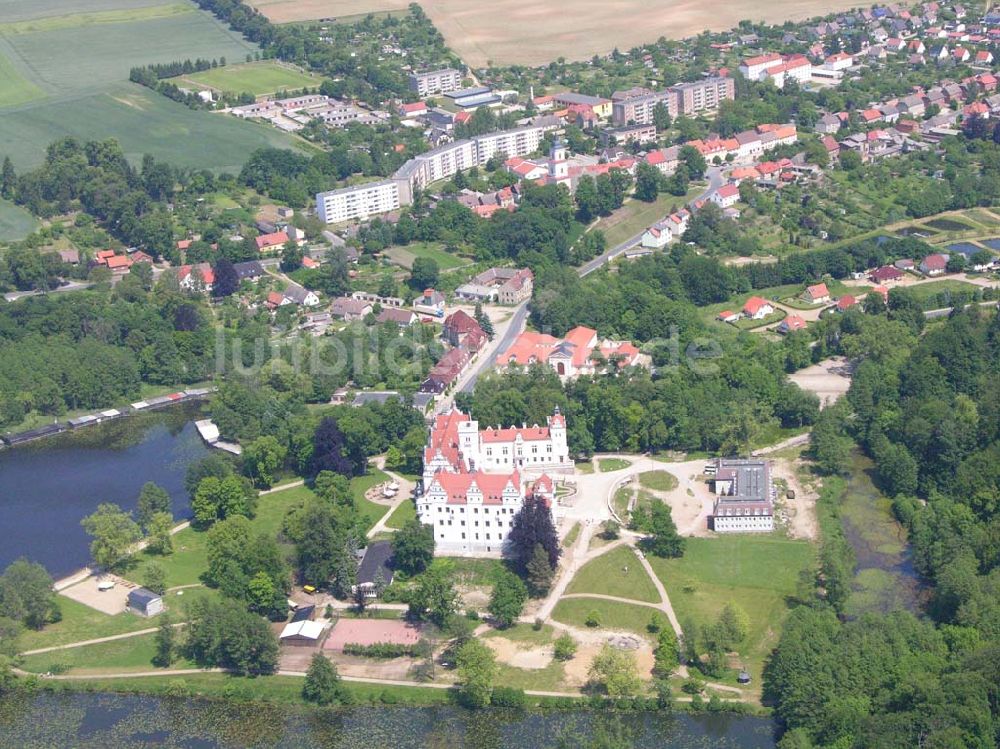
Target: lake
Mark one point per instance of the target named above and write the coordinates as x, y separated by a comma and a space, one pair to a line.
118, 721
48, 486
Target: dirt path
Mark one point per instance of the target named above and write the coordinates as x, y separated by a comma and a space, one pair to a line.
405, 493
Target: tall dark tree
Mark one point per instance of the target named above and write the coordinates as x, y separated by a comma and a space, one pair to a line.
227, 280
533, 525
413, 547
330, 449
663, 539
8, 179
152, 499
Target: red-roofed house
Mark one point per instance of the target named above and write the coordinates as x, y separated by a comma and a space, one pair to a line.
198, 277
581, 352
726, 196
882, 291
886, 274
461, 329
846, 302
416, 109
757, 308
791, 323
728, 316
274, 240
934, 265
816, 294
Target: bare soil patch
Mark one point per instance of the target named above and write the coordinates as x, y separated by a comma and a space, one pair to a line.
829, 379
514, 654
801, 510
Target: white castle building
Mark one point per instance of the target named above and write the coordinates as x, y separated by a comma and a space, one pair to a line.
475, 480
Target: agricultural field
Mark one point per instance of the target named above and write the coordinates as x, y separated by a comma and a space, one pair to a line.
535, 34
64, 67
257, 78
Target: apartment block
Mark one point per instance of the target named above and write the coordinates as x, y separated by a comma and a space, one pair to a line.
704, 95
639, 109
357, 202
435, 81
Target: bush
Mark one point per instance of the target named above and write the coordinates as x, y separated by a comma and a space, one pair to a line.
380, 650
509, 697
593, 619
565, 648
538, 624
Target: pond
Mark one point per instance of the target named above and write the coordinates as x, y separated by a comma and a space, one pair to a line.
964, 248
884, 576
48, 486
993, 244
118, 721
947, 224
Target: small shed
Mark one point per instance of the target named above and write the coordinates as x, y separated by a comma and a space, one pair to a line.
743, 677
145, 602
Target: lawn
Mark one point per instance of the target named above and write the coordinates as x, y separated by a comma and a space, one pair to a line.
572, 535
15, 222
370, 511
184, 566
757, 573
585, 467
133, 654
658, 481
610, 614
405, 256
257, 78
526, 634
612, 464
621, 501
80, 622
403, 514
925, 292
617, 573
636, 216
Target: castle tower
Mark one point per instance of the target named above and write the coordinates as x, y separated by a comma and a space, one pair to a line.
558, 166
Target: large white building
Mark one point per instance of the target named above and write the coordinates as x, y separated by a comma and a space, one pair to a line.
357, 202
361, 201
744, 496
435, 82
475, 480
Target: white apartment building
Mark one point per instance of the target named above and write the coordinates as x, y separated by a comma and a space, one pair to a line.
475, 481
437, 164
753, 68
357, 202
435, 82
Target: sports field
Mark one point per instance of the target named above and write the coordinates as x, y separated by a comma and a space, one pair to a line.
257, 78
64, 67
540, 32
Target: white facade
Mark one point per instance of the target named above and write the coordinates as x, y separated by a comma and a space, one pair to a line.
744, 496
737, 522
435, 82
475, 481
357, 203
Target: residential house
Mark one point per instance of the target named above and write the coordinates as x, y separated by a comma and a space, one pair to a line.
757, 308
726, 196
460, 329
505, 285
375, 571
728, 316
829, 124
271, 242
200, 277
846, 302
250, 270
350, 309
934, 265
300, 295
791, 323
404, 318
816, 294
885, 275
580, 352
446, 371
657, 236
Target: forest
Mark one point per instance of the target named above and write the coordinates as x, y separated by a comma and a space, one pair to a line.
928, 413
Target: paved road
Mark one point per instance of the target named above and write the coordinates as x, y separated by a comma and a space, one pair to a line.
488, 356
933, 314
715, 181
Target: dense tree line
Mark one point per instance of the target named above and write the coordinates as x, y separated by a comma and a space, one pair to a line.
925, 408
92, 350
